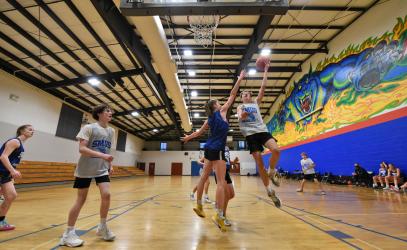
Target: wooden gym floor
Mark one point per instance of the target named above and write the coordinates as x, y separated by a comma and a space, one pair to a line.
156, 213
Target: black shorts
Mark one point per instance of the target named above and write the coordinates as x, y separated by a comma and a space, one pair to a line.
309, 177
256, 141
4, 178
85, 182
227, 177
214, 155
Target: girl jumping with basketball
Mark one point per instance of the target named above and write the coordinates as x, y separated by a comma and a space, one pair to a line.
215, 151
257, 135
10, 156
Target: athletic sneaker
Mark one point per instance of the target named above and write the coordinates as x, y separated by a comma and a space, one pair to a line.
323, 193
272, 194
395, 189
227, 222
299, 190
220, 222
199, 211
386, 188
275, 178
207, 200
105, 233
192, 196
4, 226
70, 239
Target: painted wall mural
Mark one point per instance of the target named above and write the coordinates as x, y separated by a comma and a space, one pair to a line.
362, 81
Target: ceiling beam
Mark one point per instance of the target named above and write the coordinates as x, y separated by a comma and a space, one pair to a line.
150, 130
145, 111
237, 60
209, 51
101, 77
233, 67
234, 37
203, 8
224, 76
226, 92
123, 30
325, 8
103, 45
158, 135
270, 26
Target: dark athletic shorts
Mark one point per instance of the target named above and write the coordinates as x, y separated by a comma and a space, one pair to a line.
256, 141
214, 155
309, 177
4, 178
85, 182
227, 177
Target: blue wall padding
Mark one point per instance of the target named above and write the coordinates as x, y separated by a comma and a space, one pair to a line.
368, 147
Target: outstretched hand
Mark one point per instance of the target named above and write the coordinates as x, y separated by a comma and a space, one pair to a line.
244, 115
267, 66
186, 138
242, 74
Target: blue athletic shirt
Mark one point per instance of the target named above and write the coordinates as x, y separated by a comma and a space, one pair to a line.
219, 131
14, 157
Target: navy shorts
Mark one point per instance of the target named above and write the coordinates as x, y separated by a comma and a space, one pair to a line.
214, 155
85, 182
256, 141
227, 177
4, 178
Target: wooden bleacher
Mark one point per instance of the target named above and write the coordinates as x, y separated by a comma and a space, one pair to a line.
43, 172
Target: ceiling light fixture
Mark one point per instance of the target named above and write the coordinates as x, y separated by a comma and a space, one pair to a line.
265, 52
188, 52
93, 81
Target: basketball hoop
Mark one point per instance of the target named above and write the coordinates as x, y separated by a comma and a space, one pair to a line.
203, 27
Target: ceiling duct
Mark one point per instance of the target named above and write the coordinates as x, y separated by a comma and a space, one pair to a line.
152, 32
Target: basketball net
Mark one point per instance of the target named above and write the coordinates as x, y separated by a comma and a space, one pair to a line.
203, 28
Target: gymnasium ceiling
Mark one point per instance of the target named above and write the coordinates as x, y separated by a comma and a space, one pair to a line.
56, 45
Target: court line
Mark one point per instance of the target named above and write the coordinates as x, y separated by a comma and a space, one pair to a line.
57, 225
309, 223
61, 224
120, 214
348, 224
335, 220
367, 243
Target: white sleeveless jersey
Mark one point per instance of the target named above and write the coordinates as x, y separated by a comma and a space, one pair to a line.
254, 122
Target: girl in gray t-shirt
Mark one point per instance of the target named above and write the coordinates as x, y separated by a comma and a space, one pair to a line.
95, 141
257, 135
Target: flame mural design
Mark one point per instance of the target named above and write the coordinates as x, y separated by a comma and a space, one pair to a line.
361, 82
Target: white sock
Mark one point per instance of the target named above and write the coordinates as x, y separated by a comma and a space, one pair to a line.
206, 196
268, 188
103, 221
69, 229
220, 213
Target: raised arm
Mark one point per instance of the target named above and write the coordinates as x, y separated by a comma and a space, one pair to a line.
195, 134
263, 84
233, 93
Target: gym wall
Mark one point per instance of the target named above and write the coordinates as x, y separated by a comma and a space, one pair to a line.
21, 103
351, 105
163, 159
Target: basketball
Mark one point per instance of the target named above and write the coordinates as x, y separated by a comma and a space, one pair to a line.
261, 63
